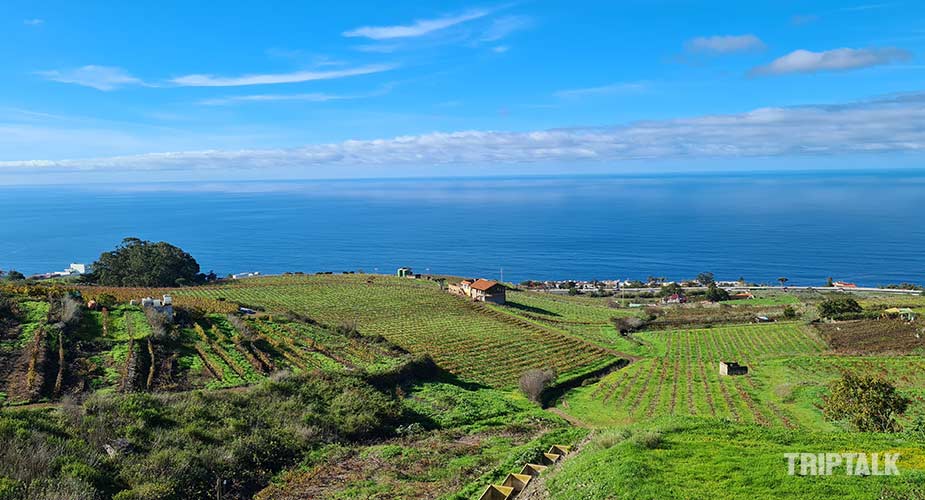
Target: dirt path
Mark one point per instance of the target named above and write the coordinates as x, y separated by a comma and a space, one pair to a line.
570, 419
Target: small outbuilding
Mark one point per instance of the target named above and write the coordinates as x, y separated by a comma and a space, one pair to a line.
404, 272
731, 368
675, 298
903, 313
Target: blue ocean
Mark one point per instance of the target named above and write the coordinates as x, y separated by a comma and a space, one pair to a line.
857, 226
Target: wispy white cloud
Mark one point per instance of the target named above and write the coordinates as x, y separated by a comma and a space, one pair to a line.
805, 61
863, 7
724, 44
34, 22
418, 28
378, 48
886, 125
614, 88
98, 77
302, 97
504, 26
801, 19
275, 78
500, 49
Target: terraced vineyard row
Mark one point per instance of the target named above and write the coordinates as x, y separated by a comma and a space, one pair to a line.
472, 341
742, 342
555, 308
686, 380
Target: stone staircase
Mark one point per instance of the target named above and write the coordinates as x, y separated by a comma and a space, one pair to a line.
514, 483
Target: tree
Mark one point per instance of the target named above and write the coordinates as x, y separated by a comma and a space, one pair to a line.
716, 294
670, 289
837, 306
782, 280
790, 312
706, 279
829, 282
627, 325
533, 382
14, 275
869, 404
106, 300
142, 263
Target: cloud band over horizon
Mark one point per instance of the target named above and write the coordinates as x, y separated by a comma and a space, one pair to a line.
882, 125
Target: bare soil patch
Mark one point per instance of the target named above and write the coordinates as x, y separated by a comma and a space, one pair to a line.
884, 336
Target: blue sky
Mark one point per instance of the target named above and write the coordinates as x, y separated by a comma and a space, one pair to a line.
198, 90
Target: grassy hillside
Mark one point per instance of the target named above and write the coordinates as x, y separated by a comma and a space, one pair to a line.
322, 394
694, 458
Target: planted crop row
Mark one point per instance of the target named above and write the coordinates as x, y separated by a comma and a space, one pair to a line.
473, 341
686, 380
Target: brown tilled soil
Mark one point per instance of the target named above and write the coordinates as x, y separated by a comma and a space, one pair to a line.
884, 336
700, 315
14, 367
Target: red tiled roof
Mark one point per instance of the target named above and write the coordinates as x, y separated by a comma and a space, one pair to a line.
483, 285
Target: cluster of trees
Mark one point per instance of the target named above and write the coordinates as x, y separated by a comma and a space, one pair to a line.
12, 275
147, 264
840, 307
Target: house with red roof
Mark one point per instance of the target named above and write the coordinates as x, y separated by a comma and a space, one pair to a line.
481, 290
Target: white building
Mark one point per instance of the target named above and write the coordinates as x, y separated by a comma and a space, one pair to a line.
163, 305
245, 275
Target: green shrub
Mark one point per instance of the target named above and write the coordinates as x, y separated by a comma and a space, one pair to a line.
839, 307
8, 488
647, 439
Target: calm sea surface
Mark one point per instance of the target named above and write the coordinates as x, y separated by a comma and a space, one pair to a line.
863, 227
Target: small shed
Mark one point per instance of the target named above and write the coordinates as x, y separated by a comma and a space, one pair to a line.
731, 368
899, 312
404, 272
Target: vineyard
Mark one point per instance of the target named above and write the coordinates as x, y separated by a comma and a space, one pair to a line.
683, 378
117, 350
474, 341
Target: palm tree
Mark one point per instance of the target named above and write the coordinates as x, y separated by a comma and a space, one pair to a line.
782, 280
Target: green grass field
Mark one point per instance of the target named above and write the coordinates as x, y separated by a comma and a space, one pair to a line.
693, 458
473, 341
